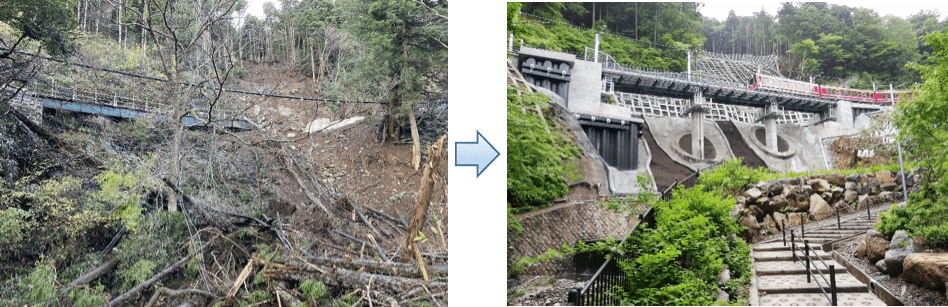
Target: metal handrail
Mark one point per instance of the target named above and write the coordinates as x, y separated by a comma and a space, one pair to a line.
838, 218
831, 283
594, 290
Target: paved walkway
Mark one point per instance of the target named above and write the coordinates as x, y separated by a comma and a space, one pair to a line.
779, 281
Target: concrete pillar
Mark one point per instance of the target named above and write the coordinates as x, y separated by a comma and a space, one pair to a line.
770, 128
697, 128
596, 50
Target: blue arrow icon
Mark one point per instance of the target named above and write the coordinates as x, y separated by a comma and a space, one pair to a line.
475, 154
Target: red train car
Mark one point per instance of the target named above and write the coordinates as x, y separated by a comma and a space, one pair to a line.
806, 88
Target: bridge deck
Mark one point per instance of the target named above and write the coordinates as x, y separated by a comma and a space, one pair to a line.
677, 85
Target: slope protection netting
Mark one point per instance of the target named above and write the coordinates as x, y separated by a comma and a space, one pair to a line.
737, 68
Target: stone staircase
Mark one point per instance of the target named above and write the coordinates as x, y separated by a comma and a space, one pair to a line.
779, 281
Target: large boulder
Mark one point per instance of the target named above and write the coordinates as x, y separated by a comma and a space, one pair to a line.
884, 177
861, 249
849, 196
768, 224
777, 203
890, 186
753, 229
794, 219
818, 205
901, 246
799, 200
876, 245
757, 212
881, 266
837, 193
852, 178
780, 219
819, 185
753, 194
927, 270
836, 179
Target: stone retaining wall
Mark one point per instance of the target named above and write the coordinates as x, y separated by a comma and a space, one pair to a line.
28, 105
565, 223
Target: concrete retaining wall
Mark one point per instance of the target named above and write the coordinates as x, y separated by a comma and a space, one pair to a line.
805, 151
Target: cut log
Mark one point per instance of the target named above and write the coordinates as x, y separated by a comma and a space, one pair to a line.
380, 213
424, 198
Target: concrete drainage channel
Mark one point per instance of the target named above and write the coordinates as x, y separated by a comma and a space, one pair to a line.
780, 280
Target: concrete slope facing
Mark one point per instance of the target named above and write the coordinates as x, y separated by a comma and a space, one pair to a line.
798, 148
664, 169
674, 136
739, 146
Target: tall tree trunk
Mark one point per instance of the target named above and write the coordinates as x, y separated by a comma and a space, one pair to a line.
312, 63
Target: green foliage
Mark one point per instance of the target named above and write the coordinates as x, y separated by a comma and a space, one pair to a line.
732, 176
562, 37
123, 191
46, 21
14, 224
155, 244
685, 251
313, 290
87, 297
513, 234
573, 174
538, 147
135, 274
40, 286
922, 217
240, 72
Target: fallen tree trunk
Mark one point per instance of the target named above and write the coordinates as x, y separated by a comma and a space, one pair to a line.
92, 275
390, 268
336, 276
168, 292
121, 298
289, 167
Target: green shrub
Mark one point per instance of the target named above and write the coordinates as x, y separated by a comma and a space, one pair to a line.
537, 148
14, 222
685, 251
240, 72
40, 286
313, 290
922, 217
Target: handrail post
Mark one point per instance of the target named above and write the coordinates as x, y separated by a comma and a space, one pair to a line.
783, 224
573, 296
868, 215
838, 226
806, 254
833, 283
793, 247
802, 233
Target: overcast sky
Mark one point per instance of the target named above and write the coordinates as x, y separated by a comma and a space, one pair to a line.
720, 9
